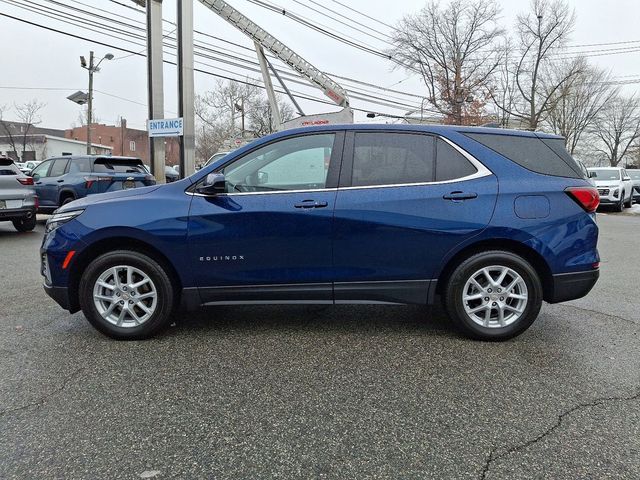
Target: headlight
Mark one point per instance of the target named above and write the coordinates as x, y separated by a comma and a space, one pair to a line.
60, 219
615, 192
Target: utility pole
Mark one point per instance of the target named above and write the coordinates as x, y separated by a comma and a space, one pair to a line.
92, 69
90, 103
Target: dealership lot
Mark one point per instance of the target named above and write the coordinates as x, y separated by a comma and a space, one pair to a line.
322, 392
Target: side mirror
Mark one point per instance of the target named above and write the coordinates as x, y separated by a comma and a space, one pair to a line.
213, 184
627, 179
36, 177
593, 174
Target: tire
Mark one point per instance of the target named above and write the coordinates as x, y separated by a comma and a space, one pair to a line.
67, 200
620, 204
630, 202
495, 262
25, 224
125, 326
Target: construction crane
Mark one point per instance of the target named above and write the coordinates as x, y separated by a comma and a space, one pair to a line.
264, 40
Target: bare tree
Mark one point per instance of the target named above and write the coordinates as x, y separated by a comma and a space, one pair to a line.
577, 103
230, 99
260, 116
541, 34
453, 48
28, 117
618, 128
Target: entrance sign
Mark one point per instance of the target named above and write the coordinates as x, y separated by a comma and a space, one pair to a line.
165, 127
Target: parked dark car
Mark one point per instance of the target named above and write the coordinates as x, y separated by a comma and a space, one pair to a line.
18, 200
59, 181
170, 174
491, 221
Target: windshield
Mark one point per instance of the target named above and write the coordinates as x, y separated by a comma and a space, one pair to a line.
634, 174
602, 174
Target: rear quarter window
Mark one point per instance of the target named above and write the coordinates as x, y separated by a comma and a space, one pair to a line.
546, 156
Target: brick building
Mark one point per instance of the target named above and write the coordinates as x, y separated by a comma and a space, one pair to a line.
125, 141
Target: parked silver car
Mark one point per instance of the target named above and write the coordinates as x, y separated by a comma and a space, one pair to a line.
635, 179
614, 186
18, 200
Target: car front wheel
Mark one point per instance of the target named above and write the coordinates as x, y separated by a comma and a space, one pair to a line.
126, 295
493, 295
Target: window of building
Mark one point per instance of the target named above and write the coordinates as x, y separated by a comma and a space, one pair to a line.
132, 146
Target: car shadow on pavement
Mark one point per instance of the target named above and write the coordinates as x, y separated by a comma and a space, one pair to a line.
373, 319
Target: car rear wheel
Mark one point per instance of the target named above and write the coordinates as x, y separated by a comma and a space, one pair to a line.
67, 200
25, 224
493, 295
126, 295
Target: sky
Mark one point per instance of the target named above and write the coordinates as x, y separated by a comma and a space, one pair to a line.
44, 65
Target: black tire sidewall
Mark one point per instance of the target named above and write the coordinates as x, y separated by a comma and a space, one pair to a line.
150, 267
67, 200
25, 224
453, 295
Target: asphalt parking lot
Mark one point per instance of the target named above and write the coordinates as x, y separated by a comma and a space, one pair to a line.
322, 392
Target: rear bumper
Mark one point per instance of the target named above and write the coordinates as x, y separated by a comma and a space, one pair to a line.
17, 213
569, 286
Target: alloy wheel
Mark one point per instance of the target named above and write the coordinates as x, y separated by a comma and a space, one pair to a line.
495, 296
125, 296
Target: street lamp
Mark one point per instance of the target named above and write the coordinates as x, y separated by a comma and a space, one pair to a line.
91, 68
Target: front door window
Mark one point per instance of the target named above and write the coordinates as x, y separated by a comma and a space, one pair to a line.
299, 163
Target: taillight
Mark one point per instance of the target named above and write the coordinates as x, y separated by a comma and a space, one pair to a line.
88, 181
25, 180
587, 197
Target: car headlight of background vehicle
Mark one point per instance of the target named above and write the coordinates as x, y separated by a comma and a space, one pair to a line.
60, 219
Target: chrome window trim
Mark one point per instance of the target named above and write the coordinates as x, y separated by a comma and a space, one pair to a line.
482, 171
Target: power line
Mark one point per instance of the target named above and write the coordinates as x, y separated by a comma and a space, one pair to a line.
364, 14
115, 47
362, 94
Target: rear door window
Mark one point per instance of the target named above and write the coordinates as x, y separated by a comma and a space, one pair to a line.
450, 163
385, 158
546, 156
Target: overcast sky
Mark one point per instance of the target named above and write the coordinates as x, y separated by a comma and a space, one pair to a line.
44, 65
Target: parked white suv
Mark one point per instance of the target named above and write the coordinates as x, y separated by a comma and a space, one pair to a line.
614, 186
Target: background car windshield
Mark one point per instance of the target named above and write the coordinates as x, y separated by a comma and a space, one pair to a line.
634, 174
602, 174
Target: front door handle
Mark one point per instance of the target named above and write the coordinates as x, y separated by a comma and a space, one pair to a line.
60, 181
310, 204
460, 196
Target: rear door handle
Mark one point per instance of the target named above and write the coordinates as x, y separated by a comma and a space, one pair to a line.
310, 204
60, 181
460, 196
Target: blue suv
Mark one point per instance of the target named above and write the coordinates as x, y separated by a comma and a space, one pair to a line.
490, 221
59, 181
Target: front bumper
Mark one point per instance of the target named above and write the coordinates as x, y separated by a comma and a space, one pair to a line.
60, 295
569, 286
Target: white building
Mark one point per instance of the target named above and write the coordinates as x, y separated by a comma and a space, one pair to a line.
40, 147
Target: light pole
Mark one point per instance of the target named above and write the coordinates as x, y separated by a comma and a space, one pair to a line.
92, 69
